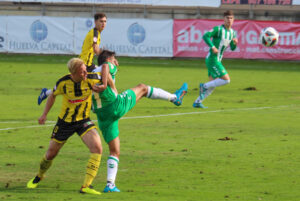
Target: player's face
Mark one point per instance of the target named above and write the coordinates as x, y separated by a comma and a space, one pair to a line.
81, 73
100, 23
228, 21
113, 60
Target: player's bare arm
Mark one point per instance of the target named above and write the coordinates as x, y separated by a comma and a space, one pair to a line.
235, 41
48, 106
96, 48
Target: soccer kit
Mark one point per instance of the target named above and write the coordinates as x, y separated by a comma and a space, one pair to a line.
76, 106
87, 52
221, 39
110, 107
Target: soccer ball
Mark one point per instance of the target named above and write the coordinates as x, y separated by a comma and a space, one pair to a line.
269, 36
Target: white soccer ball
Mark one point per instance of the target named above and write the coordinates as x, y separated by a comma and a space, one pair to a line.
269, 36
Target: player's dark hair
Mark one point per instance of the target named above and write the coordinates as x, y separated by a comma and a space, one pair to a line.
104, 55
99, 16
228, 12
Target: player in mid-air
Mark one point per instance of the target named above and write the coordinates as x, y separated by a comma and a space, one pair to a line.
89, 48
218, 39
76, 89
110, 106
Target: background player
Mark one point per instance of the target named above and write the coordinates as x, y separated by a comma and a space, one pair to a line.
222, 36
110, 107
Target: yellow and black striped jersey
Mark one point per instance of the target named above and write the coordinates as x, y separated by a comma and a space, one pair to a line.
87, 51
77, 101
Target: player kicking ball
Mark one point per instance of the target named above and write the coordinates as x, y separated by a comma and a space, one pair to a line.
110, 106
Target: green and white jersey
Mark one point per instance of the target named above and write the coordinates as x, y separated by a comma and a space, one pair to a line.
112, 70
107, 96
221, 39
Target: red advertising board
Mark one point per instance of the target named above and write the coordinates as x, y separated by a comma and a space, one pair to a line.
188, 42
258, 2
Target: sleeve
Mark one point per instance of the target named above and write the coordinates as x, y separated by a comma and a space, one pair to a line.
97, 69
212, 33
58, 88
95, 36
232, 45
94, 78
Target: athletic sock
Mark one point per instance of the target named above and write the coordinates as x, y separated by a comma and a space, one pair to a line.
157, 93
112, 169
198, 100
92, 169
48, 92
216, 83
44, 166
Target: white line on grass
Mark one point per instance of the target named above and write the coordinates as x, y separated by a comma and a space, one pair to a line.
153, 116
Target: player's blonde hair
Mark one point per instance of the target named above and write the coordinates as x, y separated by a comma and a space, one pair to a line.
74, 64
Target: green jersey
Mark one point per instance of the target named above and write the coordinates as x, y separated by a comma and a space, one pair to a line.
107, 96
221, 39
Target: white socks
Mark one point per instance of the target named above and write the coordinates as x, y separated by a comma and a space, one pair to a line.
216, 83
157, 93
112, 169
210, 86
48, 92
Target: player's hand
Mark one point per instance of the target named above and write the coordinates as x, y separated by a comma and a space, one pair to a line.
42, 119
235, 41
116, 62
97, 88
215, 50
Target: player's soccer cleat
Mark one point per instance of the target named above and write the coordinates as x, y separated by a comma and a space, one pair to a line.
42, 96
198, 105
89, 190
180, 94
107, 189
202, 91
33, 183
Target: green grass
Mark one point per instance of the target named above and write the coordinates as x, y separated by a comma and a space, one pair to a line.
172, 157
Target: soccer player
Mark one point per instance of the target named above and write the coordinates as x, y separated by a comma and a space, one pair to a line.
218, 39
89, 48
76, 89
110, 107
92, 41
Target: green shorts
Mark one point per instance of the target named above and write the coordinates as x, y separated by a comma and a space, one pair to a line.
215, 68
108, 116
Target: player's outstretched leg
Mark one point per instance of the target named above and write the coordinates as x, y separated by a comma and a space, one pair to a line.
42, 96
180, 94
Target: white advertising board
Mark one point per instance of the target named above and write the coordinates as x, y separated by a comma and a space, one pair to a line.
57, 35
37, 34
139, 37
3, 34
296, 2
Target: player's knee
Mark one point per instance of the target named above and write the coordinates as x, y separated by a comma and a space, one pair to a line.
144, 88
96, 149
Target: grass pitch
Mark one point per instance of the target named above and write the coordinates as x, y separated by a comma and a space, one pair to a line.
245, 146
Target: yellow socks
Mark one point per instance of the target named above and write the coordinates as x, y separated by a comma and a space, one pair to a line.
92, 169
44, 166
